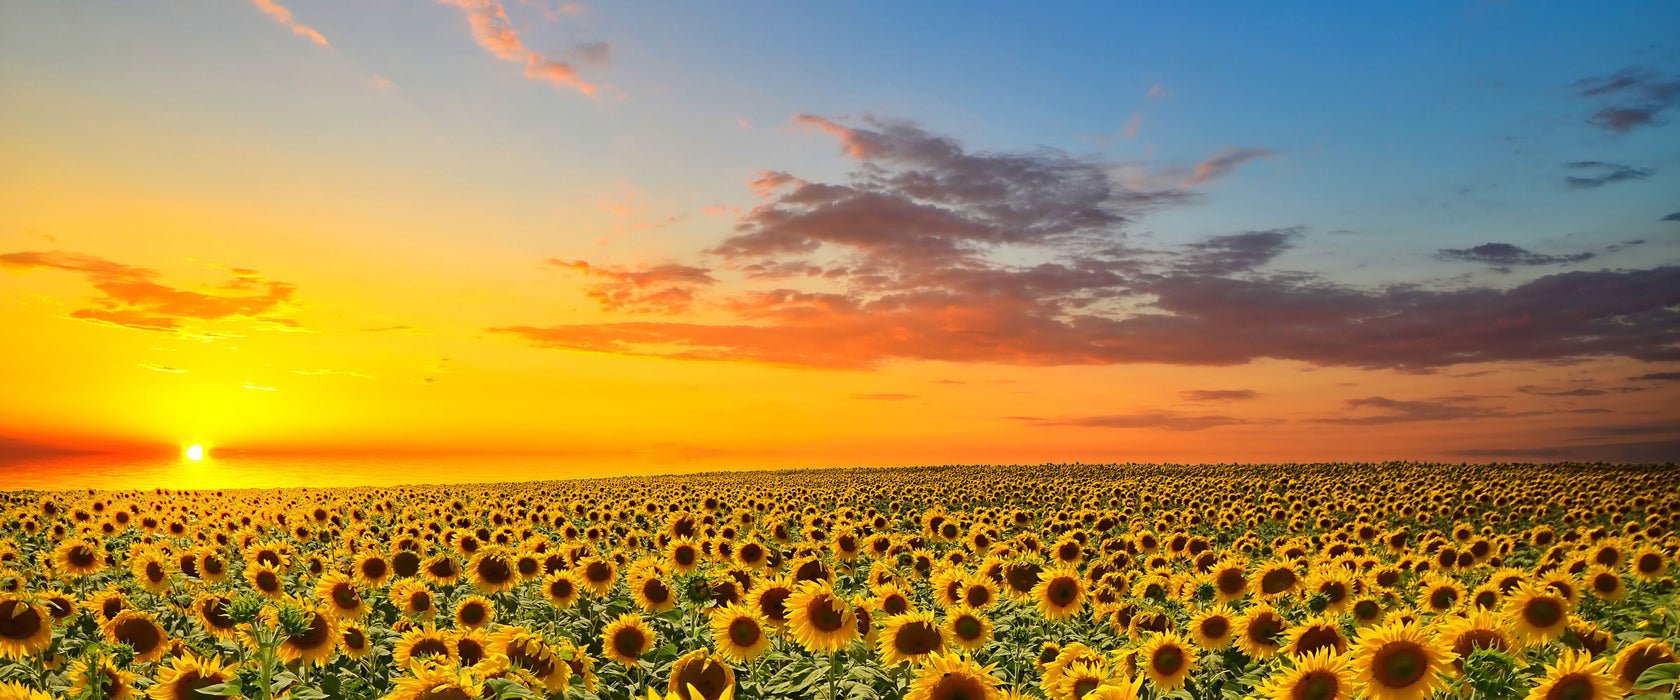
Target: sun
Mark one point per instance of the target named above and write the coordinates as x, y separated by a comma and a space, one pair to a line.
195, 452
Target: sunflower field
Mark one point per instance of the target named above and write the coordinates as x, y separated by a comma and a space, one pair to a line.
1394, 581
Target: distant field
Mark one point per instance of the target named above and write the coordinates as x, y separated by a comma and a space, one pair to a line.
1394, 581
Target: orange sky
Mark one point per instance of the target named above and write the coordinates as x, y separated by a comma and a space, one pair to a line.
330, 263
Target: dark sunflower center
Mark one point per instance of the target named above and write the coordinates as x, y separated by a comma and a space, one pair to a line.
1231, 581
1062, 591
472, 614
494, 570
345, 597
154, 572
1574, 686
810, 571
421, 601
977, 596
1649, 563
560, 588
773, 604
823, 615
518, 656
1637, 662
268, 557
1399, 664
82, 557
1542, 612
628, 642
18, 620
706, 677
1277, 581
354, 639
917, 638
1606, 582
215, 610
443, 568
1443, 598
1315, 685
1215, 627
1085, 685
374, 569
430, 646
188, 685
1167, 660
597, 572
744, 632
1317, 637
268, 582
969, 628
656, 591
953, 686
684, 556
135, 632
319, 634
1022, 577
895, 604
211, 565
470, 650
1264, 630
406, 563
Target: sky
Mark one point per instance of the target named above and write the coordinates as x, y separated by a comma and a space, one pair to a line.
768, 234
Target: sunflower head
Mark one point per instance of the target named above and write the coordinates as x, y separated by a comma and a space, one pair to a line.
738, 633
953, 677
821, 621
1398, 661
701, 675
626, 639
1168, 660
1537, 615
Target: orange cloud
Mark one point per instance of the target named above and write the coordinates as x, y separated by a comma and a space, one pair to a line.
494, 32
668, 288
284, 16
1221, 163
130, 298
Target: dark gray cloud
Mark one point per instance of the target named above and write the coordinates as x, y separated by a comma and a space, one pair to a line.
1641, 452
932, 252
1657, 377
1629, 98
1218, 394
1599, 174
1504, 256
1541, 391
1394, 411
1157, 420
1669, 427
1672, 217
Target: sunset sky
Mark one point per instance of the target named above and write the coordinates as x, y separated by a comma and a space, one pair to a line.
790, 234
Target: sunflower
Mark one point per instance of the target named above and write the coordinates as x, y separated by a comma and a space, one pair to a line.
1576, 677
1398, 661
152, 571
911, 636
266, 581
132, 627
1633, 661
106, 604
1168, 660
968, 629
316, 644
578, 664
1365, 610
61, 606
820, 620
115, 683
432, 682
491, 571
474, 612
1260, 632
212, 565
25, 628
185, 675
626, 639
1648, 563
769, 600
534, 653
953, 677
1059, 595
1321, 675
1605, 583
413, 599
1230, 580
339, 593
211, 609
1486, 596
1082, 676
1313, 635
865, 620
979, 592
1441, 594
562, 589
426, 642
79, 557
13, 690
701, 675
738, 633
1464, 635
471, 646
1277, 579
1537, 615
652, 594
683, 556
891, 601
372, 570
599, 574
1117, 691
353, 640
442, 570
1213, 629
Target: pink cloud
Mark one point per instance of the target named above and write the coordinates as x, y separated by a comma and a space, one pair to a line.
494, 32
284, 16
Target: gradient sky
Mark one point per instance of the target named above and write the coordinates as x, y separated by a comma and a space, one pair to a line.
854, 233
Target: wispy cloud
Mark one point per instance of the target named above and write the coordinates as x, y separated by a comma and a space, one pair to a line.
130, 297
494, 32
160, 368
1630, 98
668, 288
284, 16
1218, 394
1151, 420
1222, 163
1504, 256
1601, 174
259, 387
1394, 411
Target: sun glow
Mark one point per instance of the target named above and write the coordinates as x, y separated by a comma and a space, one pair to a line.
195, 452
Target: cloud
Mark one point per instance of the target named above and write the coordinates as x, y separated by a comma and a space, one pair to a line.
1657, 377
1503, 256
1218, 394
1642, 452
668, 288
1672, 217
1540, 391
317, 372
380, 82
494, 33
883, 397
1632, 97
1394, 411
929, 251
284, 17
1606, 173
1629, 430
259, 387
160, 368
1222, 163
382, 329
1153, 420
130, 298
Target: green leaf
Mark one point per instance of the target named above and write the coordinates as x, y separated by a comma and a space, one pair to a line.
225, 689
1658, 675
505, 689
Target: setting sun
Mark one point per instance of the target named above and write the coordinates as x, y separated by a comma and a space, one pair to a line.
195, 453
